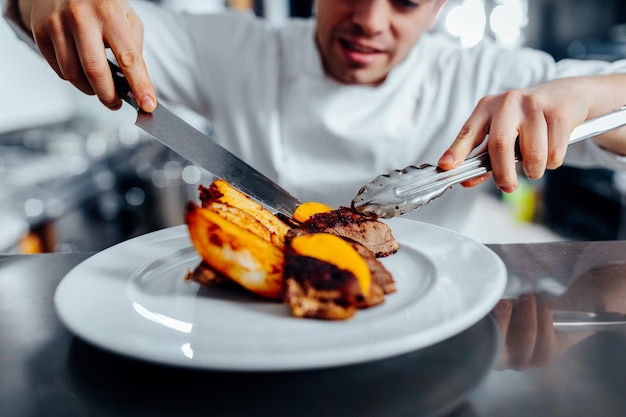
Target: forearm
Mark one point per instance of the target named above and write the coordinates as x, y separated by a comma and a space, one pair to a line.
609, 94
614, 142
605, 93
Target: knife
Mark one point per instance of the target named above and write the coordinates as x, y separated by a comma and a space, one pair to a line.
203, 151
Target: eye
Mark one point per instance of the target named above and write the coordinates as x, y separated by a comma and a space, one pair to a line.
407, 4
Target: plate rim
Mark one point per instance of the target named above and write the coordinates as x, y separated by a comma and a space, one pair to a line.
339, 357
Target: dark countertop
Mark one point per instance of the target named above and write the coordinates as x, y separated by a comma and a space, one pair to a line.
508, 364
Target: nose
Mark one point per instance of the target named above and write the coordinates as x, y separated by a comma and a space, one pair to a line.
371, 16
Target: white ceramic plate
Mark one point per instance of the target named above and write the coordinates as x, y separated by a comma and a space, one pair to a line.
132, 299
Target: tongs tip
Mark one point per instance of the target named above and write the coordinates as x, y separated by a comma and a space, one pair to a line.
398, 192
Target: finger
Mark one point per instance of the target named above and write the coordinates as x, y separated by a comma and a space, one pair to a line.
501, 145
472, 134
546, 338
136, 28
558, 141
127, 51
93, 59
69, 63
476, 181
522, 334
47, 50
533, 142
42, 35
57, 46
502, 315
134, 69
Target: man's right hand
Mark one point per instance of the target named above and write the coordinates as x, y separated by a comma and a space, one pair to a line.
72, 35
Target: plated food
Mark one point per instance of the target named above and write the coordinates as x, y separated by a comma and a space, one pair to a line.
322, 263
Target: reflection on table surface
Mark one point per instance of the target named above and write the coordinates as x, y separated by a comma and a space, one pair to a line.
523, 359
538, 327
427, 382
562, 325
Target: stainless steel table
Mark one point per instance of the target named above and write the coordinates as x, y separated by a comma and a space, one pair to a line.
511, 363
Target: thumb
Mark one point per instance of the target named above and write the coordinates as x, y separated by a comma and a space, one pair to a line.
471, 135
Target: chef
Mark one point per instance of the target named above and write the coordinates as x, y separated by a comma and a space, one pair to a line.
324, 105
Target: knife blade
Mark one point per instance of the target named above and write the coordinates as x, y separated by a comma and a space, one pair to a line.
200, 149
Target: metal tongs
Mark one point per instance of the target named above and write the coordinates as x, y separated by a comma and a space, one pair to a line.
408, 189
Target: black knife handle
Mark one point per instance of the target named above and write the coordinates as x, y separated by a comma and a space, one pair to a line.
122, 86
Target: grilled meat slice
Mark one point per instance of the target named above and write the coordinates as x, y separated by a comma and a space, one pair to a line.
317, 289
380, 275
344, 222
205, 275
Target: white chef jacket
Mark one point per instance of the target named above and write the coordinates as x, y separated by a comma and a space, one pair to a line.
265, 92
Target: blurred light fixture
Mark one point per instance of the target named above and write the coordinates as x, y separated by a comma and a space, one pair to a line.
191, 174
172, 170
470, 21
507, 20
129, 135
159, 179
104, 180
96, 144
196, 6
135, 196
55, 207
34, 207
467, 21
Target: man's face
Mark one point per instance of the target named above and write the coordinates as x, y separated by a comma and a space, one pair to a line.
360, 41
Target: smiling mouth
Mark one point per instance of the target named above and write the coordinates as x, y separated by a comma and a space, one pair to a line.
357, 47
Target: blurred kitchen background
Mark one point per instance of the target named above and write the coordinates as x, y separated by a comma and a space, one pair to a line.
77, 177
